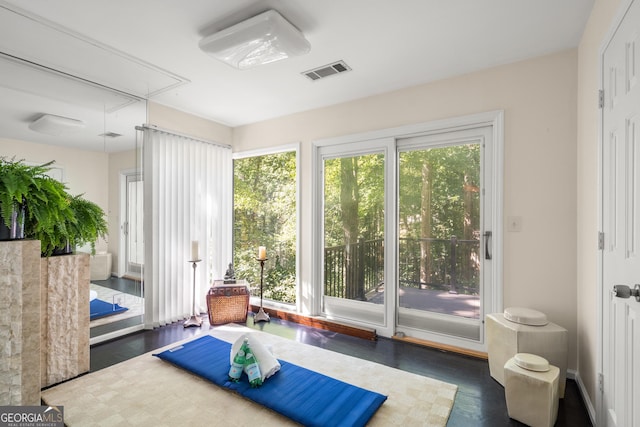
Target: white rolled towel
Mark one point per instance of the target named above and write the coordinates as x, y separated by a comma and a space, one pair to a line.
268, 364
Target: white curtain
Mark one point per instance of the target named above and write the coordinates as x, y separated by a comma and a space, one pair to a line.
188, 198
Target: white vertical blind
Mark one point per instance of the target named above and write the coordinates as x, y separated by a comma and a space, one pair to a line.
188, 197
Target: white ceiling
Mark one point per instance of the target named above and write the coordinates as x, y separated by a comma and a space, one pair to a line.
149, 49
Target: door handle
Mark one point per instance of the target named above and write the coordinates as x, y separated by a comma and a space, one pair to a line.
487, 237
624, 291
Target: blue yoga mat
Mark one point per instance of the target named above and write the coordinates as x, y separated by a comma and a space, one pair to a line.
99, 308
305, 396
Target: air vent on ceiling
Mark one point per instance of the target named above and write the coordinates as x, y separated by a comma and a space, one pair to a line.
110, 135
327, 70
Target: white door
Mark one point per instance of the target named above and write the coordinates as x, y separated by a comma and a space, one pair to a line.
620, 382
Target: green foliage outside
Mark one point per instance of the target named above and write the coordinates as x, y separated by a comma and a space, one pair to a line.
451, 171
438, 197
264, 189
451, 175
366, 183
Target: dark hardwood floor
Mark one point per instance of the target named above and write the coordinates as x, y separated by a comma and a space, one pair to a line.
479, 401
129, 286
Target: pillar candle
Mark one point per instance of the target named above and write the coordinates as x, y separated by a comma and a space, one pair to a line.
194, 250
262, 252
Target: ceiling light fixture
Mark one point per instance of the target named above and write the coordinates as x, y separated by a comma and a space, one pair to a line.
265, 38
55, 125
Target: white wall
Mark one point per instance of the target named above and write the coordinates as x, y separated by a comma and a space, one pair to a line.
84, 171
539, 100
188, 124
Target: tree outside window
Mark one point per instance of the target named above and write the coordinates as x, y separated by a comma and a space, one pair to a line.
264, 193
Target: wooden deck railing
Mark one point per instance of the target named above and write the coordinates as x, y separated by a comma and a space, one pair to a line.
353, 271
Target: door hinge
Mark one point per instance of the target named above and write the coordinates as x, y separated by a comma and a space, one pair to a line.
601, 98
601, 382
600, 240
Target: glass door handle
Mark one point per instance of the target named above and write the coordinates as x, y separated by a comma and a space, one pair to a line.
624, 291
487, 252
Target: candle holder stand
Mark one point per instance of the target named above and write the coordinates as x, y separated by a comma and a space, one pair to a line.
195, 319
261, 316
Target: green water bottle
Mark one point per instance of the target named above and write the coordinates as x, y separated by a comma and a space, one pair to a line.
252, 369
239, 360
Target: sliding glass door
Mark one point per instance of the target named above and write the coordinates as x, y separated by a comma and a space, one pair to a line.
354, 225
442, 205
354, 233
406, 234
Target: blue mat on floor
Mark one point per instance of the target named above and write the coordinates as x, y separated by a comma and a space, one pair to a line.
305, 396
99, 308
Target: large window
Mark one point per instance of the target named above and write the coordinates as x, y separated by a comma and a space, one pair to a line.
265, 214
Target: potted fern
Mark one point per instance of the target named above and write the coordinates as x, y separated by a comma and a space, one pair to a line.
48, 214
40, 207
89, 223
62, 221
17, 181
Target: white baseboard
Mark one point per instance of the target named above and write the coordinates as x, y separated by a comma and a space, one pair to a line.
583, 392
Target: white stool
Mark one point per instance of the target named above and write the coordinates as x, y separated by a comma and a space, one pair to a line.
531, 390
100, 265
522, 330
